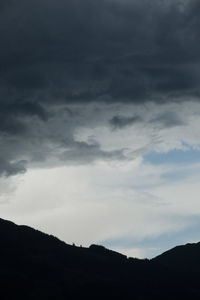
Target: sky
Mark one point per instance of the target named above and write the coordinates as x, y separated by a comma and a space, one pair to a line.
99, 121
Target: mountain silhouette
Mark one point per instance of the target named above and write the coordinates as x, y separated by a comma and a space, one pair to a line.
184, 258
35, 266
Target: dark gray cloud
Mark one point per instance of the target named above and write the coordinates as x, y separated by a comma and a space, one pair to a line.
34, 140
73, 52
11, 168
78, 51
168, 119
119, 122
83, 153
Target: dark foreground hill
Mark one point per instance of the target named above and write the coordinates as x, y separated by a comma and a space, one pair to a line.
35, 266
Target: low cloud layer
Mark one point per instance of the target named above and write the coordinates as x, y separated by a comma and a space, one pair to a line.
71, 135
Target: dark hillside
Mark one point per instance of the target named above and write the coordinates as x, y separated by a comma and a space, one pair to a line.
34, 265
183, 258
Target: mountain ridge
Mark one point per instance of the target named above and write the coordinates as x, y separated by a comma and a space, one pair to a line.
40, 266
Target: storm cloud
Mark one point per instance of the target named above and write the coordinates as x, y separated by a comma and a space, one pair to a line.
55, 56
80, 51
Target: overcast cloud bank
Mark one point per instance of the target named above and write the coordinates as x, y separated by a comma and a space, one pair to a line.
62, 63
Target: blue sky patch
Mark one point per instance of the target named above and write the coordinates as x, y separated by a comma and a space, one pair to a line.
173, 157
162, 243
